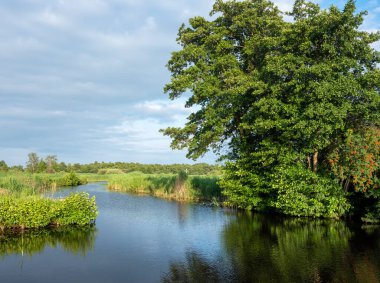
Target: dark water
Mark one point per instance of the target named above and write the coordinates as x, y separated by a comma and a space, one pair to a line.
144, 239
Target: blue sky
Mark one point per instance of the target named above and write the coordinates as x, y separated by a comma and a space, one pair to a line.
83, 79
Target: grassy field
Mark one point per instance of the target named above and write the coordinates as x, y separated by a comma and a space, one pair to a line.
178, 187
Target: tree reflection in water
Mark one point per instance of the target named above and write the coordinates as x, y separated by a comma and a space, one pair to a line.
263, 248
76, 240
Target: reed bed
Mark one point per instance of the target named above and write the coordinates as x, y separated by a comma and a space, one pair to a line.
178, 187
23, 184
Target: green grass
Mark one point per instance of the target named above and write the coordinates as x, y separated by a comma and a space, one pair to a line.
182, 188
23, 184
92, 177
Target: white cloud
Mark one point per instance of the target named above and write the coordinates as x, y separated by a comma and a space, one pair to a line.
139, 136
164, 107
21, 112
284, 5
51, 18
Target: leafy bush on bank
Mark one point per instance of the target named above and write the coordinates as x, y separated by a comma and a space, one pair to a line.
36, 212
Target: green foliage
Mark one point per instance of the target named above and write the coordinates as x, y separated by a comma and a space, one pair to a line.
301, 192
25, 212
246, 189
36, 212
3, 166
32, 162
41, 167
272, 94
75, 209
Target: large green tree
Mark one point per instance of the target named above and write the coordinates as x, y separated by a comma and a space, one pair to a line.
276, 98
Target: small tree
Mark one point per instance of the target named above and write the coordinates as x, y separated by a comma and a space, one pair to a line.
51, 163
32, 162
3, 166
41, 167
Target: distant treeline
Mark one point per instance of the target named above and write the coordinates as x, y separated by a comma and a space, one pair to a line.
126, 167
50, 164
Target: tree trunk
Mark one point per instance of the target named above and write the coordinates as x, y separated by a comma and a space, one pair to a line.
308, 162
346, 185
315, 161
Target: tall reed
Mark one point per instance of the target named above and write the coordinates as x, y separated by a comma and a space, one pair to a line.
179, 187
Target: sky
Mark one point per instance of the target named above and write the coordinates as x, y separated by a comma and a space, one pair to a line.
84, 79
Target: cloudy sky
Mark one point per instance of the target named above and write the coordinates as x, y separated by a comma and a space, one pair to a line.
83, 79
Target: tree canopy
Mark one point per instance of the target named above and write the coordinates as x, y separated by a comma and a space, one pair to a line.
279, 100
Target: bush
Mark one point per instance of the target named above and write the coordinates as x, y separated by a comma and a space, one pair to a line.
75, 209
35, 212
301, 192
71, 180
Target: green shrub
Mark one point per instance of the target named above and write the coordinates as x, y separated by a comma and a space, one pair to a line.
35, 212
75, 209
246, 187
71, 180
302, 193
25, 212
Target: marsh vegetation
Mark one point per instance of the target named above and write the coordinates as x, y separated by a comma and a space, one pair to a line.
181, 186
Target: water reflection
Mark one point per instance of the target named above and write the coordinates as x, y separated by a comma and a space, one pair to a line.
76, 240
195, 269
262, 248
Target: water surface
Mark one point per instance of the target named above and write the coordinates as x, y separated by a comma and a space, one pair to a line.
145, 239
